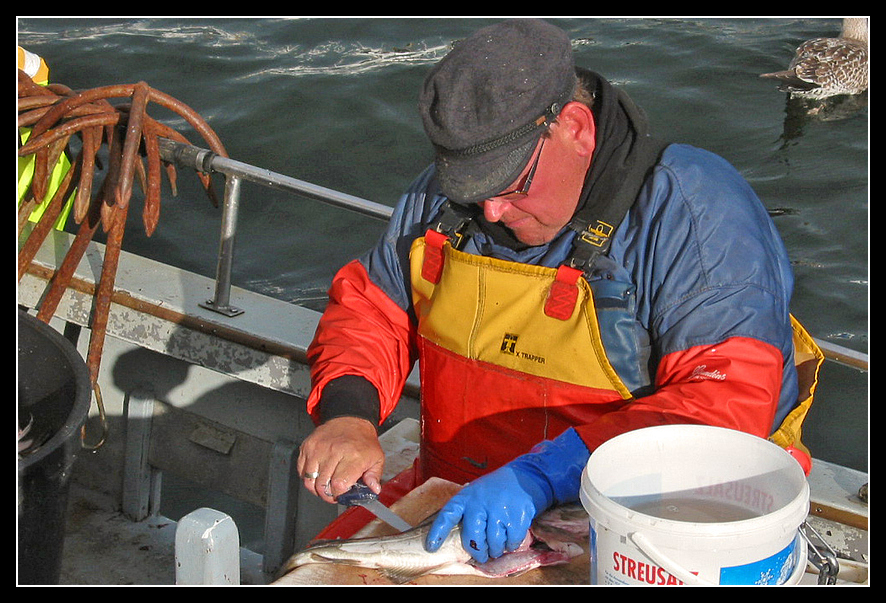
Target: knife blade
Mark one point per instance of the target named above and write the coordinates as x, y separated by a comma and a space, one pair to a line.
361, 495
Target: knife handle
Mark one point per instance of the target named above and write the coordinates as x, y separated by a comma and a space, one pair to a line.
358, 493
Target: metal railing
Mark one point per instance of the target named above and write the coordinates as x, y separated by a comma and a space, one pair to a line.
207, 161
204, 160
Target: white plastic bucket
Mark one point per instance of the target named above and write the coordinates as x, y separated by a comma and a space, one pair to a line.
717, 506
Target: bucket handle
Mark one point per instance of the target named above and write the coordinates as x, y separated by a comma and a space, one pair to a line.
676, 570
673, 568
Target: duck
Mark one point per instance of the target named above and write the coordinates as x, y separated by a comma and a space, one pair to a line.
825, 67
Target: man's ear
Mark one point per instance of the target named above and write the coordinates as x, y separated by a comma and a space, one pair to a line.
576, 123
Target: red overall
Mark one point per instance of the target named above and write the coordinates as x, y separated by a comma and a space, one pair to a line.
510, 355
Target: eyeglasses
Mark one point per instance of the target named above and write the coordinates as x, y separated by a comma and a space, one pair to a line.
523, 187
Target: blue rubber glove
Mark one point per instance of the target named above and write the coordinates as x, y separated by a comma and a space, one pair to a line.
497, 509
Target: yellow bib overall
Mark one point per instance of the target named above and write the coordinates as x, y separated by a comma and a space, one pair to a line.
511, 354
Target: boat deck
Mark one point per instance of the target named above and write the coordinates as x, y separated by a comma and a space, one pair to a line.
217, 402
104, 547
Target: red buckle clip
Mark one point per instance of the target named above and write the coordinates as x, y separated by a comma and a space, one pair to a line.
563, 294
432, 266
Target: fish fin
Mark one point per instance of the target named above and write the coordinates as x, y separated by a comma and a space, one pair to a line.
406, 574
314, 557
515, 564
307, 558
402, 575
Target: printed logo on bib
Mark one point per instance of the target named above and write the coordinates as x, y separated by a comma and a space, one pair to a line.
509, 346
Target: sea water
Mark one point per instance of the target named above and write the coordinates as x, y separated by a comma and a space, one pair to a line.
333, 101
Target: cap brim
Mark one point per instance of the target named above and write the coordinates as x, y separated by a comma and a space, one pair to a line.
473, 179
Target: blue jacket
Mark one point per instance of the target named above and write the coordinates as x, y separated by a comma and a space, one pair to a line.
696, 261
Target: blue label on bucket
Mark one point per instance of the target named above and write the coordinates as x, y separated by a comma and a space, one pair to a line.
772, 570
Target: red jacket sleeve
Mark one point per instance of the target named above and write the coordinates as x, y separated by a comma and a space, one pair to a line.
362, 332
734, 384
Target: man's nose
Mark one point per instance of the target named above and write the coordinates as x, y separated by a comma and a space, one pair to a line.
494, 208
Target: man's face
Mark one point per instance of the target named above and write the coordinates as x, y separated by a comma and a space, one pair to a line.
537, 216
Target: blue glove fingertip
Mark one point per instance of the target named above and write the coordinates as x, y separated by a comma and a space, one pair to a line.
436, 535
474, 526
446, 519
476, 549
432, 545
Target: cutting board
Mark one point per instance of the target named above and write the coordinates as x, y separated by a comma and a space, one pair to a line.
414, 507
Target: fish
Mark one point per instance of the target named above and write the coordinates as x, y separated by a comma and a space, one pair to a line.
555, 537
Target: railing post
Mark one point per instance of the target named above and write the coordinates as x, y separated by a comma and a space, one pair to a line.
207, 161
221, 302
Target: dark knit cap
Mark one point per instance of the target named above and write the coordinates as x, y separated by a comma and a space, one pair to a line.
486, 103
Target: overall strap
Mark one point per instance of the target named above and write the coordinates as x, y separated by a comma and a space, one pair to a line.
452, 226
454, 221
595, 225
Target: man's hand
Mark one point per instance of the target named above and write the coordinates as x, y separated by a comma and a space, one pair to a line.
495, 511
337, 454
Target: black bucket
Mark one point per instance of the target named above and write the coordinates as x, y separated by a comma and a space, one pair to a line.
54, 394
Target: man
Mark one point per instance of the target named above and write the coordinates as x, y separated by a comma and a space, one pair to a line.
563, 278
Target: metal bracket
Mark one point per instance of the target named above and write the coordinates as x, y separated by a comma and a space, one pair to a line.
226, 251
821, 555
209, 162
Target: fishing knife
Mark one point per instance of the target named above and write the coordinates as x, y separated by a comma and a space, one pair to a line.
361, 495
